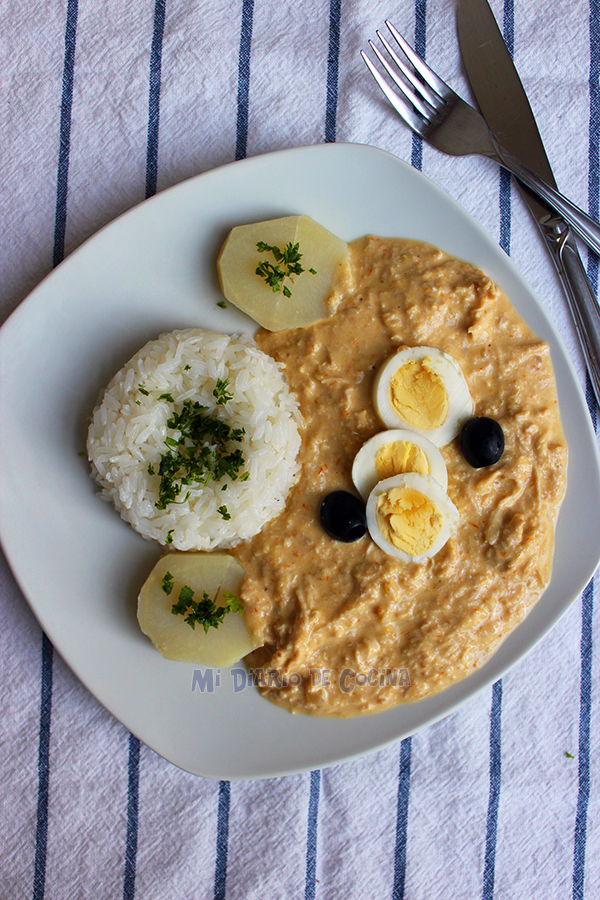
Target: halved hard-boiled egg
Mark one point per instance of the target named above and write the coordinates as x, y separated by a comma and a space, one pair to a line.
410, 516
424, 390
396, 452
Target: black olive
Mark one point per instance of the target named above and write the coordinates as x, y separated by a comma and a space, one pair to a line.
343, 516
482, 442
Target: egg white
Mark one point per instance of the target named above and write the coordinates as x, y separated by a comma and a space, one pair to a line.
364, 473
448, 370
431, 489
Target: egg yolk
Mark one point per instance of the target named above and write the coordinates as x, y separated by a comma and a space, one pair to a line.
418, 395
399, 457
409, 520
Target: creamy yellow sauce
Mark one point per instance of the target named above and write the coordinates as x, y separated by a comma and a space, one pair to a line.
347, 629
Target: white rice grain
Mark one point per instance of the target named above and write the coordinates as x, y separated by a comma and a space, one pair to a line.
128, 430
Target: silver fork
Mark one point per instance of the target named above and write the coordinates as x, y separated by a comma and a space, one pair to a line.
443, 119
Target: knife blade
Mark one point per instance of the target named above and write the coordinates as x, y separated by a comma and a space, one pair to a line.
504, 105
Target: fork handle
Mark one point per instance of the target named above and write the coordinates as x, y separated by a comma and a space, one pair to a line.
582, 224
580, 296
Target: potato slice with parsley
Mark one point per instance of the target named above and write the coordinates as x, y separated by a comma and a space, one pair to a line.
281, 272
200, 586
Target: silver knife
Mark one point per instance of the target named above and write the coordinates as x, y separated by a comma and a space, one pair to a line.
504, 105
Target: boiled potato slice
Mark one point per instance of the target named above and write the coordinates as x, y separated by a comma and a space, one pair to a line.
321, 250
171, 635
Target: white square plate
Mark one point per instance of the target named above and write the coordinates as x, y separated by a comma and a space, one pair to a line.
81, 566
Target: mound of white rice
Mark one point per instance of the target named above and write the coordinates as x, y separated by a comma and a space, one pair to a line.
129, 427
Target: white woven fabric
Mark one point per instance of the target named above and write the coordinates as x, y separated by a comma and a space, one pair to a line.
431, 818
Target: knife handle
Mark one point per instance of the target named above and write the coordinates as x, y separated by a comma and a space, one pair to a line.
582, 224
580, 296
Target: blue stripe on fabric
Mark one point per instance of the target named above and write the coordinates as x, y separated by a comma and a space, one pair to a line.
60, 220
41, 834
505, 203
241, 137
421, 27
508, 25
585, 709
416, 154
222, 840
154, 98
587, 598
420, 46
489, 865
508, 33
58, 252
402, 819
310, 885
590, 396
333, 66
594, 132
133, 790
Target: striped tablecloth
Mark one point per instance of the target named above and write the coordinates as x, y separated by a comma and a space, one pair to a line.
104, 103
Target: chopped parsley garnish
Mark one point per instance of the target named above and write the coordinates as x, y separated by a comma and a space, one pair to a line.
167, 583
167, 397
204, 612
288, 264
220, 393
169, 537
222, 510
200, 450
222, 304
143, 390
569, 755
186, 368
185, 594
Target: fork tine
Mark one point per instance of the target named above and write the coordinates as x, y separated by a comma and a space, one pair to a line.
403, 108
423, 89
416, 101
439, 86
